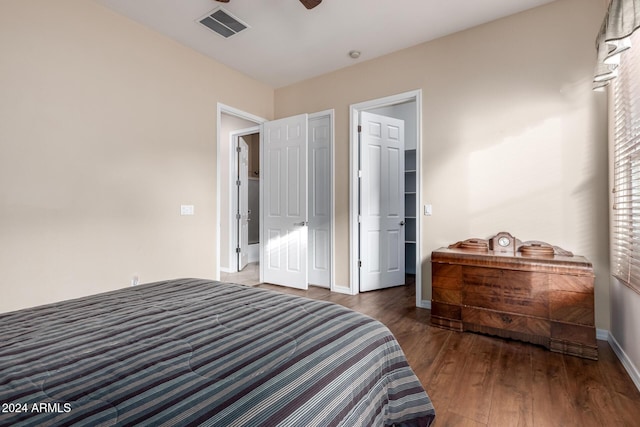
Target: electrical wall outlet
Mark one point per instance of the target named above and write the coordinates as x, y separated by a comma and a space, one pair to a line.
187, 210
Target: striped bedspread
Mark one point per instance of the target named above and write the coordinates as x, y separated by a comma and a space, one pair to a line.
196, 352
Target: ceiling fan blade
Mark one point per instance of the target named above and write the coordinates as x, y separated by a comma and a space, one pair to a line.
310, 4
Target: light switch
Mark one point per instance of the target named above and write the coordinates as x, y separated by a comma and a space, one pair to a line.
428, 211
186, 210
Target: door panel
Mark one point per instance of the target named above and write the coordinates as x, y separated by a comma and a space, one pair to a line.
373, 181
272, 177
382, 202
294, 204
274, 256
285, 187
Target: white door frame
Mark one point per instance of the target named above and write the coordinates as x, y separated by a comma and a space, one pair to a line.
233, 194
354, 114
222, 108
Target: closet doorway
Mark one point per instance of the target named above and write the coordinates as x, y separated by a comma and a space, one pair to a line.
406, 107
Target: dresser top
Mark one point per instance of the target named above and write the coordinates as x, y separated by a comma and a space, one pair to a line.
514, 261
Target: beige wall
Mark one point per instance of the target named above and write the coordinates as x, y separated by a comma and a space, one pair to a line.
514, 139
625, 318
106, 128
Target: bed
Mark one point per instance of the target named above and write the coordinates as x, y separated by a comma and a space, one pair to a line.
199, 352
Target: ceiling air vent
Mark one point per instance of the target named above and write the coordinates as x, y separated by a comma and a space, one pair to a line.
223, 23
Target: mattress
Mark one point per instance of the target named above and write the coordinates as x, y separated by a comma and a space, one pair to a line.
198, 352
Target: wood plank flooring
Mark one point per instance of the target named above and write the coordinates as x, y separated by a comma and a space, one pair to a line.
476, 380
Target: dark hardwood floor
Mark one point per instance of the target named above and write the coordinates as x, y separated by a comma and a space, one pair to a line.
477, 380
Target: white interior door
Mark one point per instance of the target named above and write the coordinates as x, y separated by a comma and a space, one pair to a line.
381, 202
320, 201
243, 204
284, 175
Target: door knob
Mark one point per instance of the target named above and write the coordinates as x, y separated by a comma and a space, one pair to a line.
401, 222
301, 224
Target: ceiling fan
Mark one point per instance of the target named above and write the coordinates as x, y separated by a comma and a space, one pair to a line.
309, 4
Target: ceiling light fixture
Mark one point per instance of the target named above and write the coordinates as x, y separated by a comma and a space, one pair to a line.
355, 54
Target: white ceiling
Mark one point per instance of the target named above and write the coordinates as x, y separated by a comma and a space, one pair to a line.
287, 43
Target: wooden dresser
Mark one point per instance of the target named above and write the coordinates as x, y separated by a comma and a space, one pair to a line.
528, 291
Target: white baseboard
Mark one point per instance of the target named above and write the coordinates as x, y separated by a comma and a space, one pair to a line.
425, 303
227, 270
631, 369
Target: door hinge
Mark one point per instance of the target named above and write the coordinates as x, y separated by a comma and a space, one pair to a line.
359, 264
238, 149
238, 216
359, 174
359, 128
238, 250
238, 182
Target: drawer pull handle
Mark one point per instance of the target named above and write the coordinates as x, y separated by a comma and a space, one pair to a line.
506, 319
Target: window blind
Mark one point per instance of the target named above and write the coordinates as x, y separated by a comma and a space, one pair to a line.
626, 168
